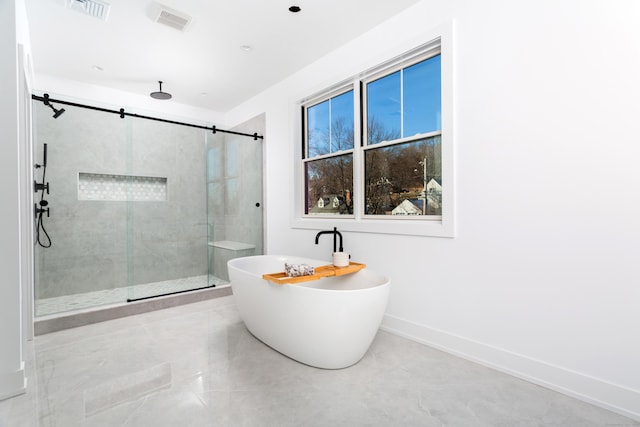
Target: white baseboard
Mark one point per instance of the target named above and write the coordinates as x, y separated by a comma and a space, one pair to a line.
616, 398
13, 383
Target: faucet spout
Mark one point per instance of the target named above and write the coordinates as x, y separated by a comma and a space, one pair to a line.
336, 234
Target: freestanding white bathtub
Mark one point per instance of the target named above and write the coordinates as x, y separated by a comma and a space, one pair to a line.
327, 323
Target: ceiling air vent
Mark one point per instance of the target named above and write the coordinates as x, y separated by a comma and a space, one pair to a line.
97, 9
172, 18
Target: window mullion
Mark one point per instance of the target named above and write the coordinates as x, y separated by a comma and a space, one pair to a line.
358, 170
402, 103
305, 133
330, 128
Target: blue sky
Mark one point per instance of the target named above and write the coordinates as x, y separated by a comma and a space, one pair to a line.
420, 95
334, 109
407, 101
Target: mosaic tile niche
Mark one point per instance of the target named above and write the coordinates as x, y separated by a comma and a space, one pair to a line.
96, 186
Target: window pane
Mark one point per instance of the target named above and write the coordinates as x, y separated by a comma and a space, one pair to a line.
342, 122
330, 125
318, 129
398, 176
421, 90
383, 109
329, 186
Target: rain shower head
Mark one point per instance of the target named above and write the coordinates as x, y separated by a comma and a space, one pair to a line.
160, 94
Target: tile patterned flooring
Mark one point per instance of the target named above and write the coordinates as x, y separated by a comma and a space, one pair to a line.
197, 365
68, 303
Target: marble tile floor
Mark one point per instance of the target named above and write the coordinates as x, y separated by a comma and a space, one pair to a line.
197, 365
82, 301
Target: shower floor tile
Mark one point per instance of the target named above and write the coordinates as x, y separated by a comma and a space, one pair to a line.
67, 303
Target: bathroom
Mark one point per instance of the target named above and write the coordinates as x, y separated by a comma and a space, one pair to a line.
539, 279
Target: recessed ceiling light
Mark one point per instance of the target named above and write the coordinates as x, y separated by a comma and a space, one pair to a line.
246, 47
294, 9
97, 68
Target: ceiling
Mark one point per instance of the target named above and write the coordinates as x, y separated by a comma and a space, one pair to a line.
208, 65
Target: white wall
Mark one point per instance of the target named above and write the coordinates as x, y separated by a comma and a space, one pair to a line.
100, 96
12, 374
543, 276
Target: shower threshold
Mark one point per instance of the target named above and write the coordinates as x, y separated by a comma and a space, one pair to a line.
46, 307
95, 307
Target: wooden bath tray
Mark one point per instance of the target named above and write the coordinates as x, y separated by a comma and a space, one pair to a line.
281, 278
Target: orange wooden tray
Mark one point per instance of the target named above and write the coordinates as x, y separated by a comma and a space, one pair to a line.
281, 278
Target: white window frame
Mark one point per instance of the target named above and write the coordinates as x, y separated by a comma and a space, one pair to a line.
418, 55
444, 226
332, 93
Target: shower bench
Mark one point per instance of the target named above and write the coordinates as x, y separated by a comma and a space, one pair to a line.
225, 250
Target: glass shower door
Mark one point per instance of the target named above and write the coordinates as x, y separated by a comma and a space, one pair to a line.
234, 191
166, 209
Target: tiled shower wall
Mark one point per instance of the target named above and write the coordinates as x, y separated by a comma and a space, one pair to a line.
105, 244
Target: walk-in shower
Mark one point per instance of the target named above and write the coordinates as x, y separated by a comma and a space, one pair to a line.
141, 207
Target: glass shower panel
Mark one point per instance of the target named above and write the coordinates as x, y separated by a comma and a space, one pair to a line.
166, 209
86, 263
234, 197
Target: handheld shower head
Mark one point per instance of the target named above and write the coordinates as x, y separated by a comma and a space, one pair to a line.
44, 159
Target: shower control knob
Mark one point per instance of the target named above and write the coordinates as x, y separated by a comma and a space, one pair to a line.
43, 207
257, 204
40, 211
41, 186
